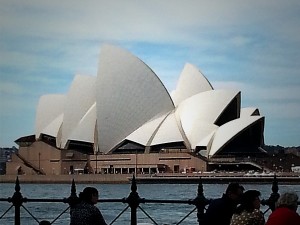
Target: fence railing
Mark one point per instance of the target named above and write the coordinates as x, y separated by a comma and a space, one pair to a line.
133, 203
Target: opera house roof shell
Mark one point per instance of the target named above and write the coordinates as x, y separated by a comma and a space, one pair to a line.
127, 107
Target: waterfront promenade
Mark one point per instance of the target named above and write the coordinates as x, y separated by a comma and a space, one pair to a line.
286, 178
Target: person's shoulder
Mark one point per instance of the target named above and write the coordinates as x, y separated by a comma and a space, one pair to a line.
95, 209
285, 210
216, 204
215, 201
257, 213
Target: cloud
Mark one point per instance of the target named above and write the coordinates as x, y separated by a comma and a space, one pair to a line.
252, 46
9, 88
157, 21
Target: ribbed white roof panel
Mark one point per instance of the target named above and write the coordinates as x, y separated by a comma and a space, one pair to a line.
85, 129
49, 108
229, 130
144, 133
168, 132
206, 106
128, 95
199, 132
199, 113
206, 141
53, 128
80, 98
191, 82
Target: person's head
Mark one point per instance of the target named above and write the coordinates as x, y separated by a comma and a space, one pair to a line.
89, 195
250, 200
288, 200
234, 191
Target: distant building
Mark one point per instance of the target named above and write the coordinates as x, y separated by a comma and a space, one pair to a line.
5, 156
296, 169
124, 120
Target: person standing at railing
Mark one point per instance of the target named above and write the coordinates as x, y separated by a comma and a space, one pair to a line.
286, 211
248, 213
220, 211
85, 212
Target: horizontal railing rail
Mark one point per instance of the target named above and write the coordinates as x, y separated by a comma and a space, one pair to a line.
133, 201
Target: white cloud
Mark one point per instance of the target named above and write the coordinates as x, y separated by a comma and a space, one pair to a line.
252, 46
149, 21
240, 40
10, 88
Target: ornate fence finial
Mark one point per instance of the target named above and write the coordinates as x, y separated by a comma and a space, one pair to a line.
73, 198
275, 188
73, 188
17, 200
133, 201
200, 187
17, 186
133, 184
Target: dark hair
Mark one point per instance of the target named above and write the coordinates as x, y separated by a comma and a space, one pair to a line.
87, 193
234, 188
247, 200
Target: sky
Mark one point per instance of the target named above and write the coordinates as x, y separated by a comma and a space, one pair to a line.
250, 45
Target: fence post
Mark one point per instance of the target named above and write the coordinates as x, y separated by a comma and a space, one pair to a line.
73, 199
133, 201
200, 202
17, 200
274, 196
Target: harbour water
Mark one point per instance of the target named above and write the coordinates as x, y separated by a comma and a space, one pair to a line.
161, 213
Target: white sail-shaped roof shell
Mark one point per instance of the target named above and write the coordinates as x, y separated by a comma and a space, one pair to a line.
191, 82
205, 106
168, 132
49, 109
199, 113
206, 143
80, 98
85, 129
201, 133
53, 128
229, 130
144, 133
128, 95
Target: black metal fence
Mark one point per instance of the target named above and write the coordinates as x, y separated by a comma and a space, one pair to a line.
133, 203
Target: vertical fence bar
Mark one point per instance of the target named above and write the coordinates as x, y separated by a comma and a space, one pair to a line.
73, 199
133, 201
200, 202
274, 196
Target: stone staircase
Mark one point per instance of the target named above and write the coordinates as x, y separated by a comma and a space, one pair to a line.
30, 165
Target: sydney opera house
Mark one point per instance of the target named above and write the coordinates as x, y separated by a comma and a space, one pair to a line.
124, 120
